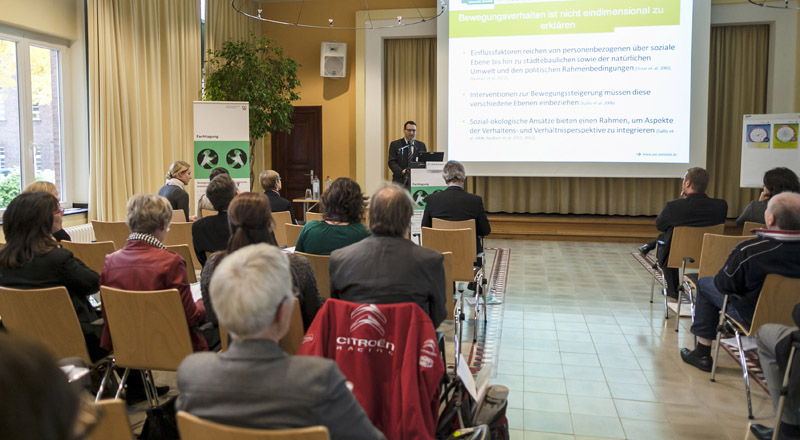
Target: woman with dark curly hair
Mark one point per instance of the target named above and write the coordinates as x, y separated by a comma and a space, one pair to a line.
343, 205
776, 181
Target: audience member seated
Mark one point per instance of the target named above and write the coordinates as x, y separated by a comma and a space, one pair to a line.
255, 384
386, 267
145, 264
694, 208
31, 259
455, 203
38, 402
250, 222
775, 250
211, 234
178, 176
204, 203
776, 181
271, 182
343, 206
41, 186
774, 344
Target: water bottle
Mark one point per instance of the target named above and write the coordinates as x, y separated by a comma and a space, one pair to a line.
315, 188
327, 183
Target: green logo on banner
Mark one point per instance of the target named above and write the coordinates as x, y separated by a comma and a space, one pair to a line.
231, 155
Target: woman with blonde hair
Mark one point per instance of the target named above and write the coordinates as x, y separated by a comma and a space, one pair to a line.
58, 217
178, 176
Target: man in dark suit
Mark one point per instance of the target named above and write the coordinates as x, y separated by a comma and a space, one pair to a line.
694, 208
210, 234
403, 151
271, 182
386, 267
456, 204
255, 384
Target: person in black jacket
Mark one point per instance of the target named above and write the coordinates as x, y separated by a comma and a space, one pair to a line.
211, 234
403, 151
455, 203
271, 182
32, 259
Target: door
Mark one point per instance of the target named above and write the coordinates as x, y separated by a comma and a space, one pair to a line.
295, 154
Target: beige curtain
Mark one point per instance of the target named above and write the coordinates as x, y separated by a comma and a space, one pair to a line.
737, 86
144, 73
410, 90
223, 24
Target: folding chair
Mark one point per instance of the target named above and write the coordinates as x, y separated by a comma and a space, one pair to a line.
93, 255
684, 253
292, 232
186, 253
778, 296
48, 316
149, 332
114, 424
181, 233
117, 232
749, 226
320, 264
195, 428
281, 219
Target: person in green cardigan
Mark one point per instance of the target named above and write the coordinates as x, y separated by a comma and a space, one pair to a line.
343, 207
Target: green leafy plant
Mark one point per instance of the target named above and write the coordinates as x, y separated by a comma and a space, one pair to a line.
255, 70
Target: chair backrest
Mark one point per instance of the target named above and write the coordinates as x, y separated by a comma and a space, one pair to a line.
181, 233
687, 241
294, 337
195, 428
114, 424
46, 315
281, 218
292, 232
206, 213
461, 242
186, 253
93, 255
313, 216
178, 216
716, 249
777, 299
117, 232
148, 328
749, 226
449, 285
320, 264
223, 337
438, 223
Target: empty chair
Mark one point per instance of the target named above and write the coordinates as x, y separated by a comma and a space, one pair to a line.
749, 226
281, 219
93, 255
185, 252
181, 233
195, 428
320, 264
117, 232
114, 424
292, 232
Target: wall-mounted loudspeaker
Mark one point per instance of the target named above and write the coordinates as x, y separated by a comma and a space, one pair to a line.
333, 59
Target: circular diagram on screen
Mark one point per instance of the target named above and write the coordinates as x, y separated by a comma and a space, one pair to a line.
758, 134
786, 134
207, 159
236, 158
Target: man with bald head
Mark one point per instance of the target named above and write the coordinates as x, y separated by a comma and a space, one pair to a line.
776, 249
387, 267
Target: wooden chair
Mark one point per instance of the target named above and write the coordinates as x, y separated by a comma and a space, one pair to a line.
292, 232
684, 253
93, 255
749, 226
195, 428
114, 424
776, 301
223, 337
449, 285
149, 331
281, 219
184, 251
117, 232
320, 264
313, 216
181, 233
290, 343
438, 223
178, 216
47, 316
206, 213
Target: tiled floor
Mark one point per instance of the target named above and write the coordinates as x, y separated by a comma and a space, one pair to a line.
586, 355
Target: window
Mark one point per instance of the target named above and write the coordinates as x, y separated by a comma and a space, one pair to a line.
30, 78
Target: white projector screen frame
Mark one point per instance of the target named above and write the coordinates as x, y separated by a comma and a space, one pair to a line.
698, 119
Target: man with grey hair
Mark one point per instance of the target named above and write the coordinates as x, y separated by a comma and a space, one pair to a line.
775, 250
387, 267
255, 384
455, 203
